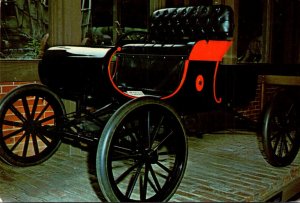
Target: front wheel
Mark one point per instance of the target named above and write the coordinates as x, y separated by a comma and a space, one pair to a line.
279, 134
142, 152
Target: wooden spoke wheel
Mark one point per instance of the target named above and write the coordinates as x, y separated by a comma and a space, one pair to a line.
142, 152
279, 135
28, 114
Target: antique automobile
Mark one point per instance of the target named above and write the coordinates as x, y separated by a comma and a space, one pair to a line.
130, 99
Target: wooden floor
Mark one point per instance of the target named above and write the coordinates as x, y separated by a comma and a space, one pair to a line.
223, 166
227, 166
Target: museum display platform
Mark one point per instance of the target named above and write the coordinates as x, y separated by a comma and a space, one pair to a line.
223, 166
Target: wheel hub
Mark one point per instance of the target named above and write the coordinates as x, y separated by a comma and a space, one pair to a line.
151, 156
31, 126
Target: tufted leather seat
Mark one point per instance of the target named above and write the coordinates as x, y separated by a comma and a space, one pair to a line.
177, 25
180, 28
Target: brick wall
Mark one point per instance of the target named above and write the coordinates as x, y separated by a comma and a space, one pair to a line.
253, 110
6, 87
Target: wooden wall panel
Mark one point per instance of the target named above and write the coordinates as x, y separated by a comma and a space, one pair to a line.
18, 70
65, 22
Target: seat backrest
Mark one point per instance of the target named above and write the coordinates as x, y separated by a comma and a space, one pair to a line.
185, 24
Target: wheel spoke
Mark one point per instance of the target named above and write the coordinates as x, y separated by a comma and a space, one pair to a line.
122, 150
275, 135
276, 143
142, 132
17, 113
44, 139
285, 145
157, 129
125, 157
133, 181
25, 149
148, 130
144, 184
163, 153
35, 144
157, 186
18, 142
290, 110
127, 172
12, 123
159, 144
288, 136
42, 112
276, 124
163, 167
13, 134
34, 107
47, 131
280, 150
26, 108
129, 134
124, 153
49, 118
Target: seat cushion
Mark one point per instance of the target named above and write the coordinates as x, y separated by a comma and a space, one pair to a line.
186, 24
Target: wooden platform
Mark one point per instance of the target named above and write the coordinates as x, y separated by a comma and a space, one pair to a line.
222, 167
227, 166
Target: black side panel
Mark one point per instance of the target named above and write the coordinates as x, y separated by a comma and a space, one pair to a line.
234, 86
237, 85
151, 74
74, 76
188, 98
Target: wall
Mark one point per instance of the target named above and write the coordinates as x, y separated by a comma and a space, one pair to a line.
255, 107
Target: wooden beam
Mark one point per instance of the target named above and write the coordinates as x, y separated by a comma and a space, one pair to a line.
282, 80
64, 22
32, 27
267, 31
116, 19
157, 4
19, 70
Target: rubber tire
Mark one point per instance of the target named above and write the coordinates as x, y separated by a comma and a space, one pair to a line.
104, 168
25, 125
279, 133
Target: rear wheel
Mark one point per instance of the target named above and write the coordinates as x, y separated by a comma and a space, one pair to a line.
279, 135
28, 115
142, 152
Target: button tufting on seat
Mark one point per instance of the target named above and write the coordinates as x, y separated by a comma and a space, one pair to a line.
177, 25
